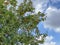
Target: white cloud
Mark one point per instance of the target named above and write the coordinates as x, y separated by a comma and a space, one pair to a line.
53, 19
53, 14
48, 41
40, 5
40, 37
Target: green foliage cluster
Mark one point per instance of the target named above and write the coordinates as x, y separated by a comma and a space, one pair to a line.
12, 19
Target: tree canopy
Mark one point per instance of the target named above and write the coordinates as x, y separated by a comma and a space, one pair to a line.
17, 28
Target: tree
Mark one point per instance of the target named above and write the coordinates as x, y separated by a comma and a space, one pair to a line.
17, 28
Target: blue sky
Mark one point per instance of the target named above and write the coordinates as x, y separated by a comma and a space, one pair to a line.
51, 8
50, 33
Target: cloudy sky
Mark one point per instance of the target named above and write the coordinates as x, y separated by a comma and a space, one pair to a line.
51, 8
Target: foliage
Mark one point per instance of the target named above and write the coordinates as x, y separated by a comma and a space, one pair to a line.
12, 19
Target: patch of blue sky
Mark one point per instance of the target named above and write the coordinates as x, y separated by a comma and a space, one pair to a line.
50, 33
54, 4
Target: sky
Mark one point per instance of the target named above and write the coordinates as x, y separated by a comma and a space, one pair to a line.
51, 8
